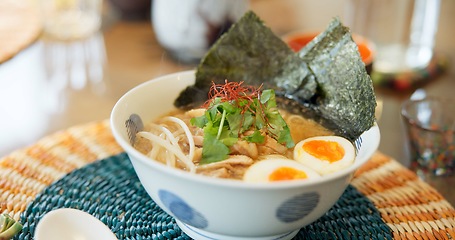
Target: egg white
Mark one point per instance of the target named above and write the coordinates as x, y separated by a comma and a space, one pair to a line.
321, 166
261, 170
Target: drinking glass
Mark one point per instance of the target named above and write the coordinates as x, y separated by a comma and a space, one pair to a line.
430, 126
403, 31
71, 19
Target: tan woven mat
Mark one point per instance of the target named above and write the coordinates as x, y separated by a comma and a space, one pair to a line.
20, 25
411, 208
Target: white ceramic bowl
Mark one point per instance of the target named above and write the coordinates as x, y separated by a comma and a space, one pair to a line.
208, 208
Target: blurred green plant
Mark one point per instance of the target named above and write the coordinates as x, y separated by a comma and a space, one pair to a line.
8, 227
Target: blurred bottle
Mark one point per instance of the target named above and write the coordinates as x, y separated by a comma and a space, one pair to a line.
187, 29
402, 30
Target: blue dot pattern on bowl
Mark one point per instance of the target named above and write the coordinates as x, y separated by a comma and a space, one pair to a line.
182, 210
297, 207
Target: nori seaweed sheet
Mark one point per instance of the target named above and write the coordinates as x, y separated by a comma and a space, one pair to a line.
248, 52
345, 95
325, 81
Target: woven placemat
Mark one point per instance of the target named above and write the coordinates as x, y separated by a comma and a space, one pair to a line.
408, 206
110, 190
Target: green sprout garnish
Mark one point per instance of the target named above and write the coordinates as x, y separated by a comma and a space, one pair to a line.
8, 227
232, 110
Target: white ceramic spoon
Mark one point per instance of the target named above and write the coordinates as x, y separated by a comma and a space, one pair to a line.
71, 224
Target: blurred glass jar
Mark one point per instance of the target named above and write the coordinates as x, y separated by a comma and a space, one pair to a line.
71, 19
187, 29
402, 30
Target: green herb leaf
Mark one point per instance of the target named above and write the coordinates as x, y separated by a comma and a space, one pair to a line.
228, 107
276, 124
285, 137
199, 121
267, 95
256, 137
239, 123
214, 150
235, 121
229, 141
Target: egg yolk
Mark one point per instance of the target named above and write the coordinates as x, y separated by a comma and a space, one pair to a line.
326, 150
286, 173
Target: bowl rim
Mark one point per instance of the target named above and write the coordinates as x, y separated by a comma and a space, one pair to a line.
231, 183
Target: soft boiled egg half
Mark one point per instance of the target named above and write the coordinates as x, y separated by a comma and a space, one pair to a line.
273, 169
325, 154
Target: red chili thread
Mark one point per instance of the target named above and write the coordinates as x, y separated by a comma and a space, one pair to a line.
233, 91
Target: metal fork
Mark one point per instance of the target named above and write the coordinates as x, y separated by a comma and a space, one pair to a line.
133, 126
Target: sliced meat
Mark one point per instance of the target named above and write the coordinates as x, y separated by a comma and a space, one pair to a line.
235, 166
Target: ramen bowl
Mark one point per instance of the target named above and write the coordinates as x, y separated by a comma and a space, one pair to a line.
212, 208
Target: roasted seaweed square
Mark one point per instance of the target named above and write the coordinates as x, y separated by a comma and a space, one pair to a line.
345, 94
248, 52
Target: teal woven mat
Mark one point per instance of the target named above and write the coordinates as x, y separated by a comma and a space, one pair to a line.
110, 190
